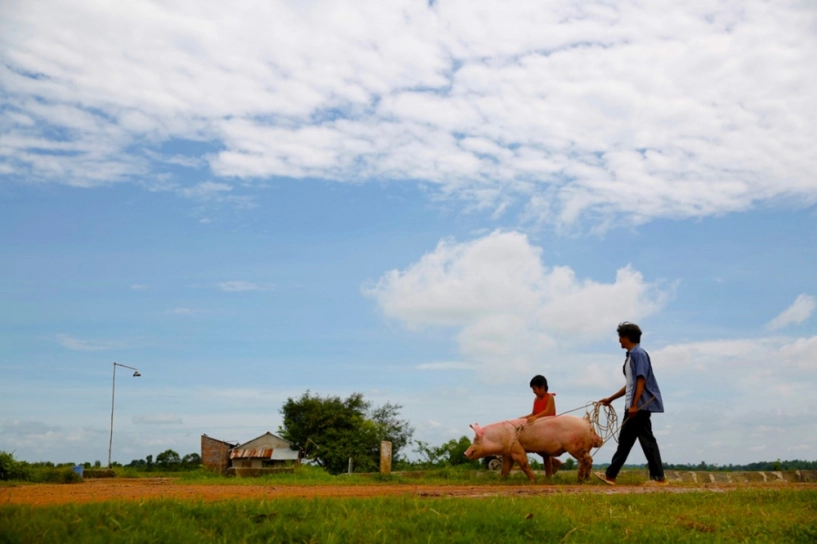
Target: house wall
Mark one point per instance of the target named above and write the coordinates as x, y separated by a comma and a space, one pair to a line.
265, 441
248, 463
215, 454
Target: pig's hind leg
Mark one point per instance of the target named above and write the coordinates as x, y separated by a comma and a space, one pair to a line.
507, 465
585, 465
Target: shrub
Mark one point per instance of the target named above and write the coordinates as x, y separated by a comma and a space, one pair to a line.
56, 476
11, 469
99, 473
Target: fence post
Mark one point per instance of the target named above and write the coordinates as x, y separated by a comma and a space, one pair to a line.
385, 458
350, 465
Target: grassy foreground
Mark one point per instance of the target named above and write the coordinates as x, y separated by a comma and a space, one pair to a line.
752, 515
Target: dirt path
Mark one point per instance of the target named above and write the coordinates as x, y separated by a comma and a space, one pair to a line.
168, 488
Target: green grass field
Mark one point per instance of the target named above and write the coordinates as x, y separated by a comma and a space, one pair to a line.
751, 515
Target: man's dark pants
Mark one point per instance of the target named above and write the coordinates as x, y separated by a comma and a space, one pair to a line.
637, 427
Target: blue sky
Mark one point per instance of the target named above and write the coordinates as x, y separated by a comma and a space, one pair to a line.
425, 204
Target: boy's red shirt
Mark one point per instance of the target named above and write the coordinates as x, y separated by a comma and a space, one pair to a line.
540, 405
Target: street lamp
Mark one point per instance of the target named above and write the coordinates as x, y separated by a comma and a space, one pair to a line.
113, 396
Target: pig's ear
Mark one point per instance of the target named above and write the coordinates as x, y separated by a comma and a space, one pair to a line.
477, 429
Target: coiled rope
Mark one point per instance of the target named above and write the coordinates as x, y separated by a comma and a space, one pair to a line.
610, 426
605, 428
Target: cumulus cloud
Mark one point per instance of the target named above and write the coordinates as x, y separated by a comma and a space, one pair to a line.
764, 369
800, 310
607, 111
505, 304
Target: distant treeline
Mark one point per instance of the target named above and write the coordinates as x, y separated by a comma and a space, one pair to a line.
796, 464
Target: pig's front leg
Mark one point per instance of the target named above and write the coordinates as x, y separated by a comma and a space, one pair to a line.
519, 455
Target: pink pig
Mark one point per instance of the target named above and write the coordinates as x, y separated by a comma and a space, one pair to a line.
514, 438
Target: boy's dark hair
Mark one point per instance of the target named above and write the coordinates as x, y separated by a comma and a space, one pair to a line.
539, 381
630, 330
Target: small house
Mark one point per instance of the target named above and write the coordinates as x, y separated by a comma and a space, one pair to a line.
266, 451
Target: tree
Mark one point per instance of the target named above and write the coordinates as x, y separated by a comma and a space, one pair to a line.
191, 460
168, 460
451, 453
332, 429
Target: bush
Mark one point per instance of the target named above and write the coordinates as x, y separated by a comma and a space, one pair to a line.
99, 473
56, 476
11, 469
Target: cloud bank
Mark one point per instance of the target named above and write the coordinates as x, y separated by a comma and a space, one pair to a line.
573, 109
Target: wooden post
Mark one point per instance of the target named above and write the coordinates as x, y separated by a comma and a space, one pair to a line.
385, 458
350, 465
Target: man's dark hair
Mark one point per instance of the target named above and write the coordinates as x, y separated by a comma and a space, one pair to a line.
630, 330
539, 381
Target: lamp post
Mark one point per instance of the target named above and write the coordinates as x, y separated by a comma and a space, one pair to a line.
113, 396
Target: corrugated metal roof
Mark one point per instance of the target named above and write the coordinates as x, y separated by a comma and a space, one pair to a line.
261, 453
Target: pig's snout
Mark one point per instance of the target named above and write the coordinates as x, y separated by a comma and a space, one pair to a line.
469, 452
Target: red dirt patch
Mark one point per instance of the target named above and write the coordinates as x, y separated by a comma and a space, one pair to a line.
168, 488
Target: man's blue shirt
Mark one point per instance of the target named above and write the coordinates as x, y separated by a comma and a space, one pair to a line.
640, 366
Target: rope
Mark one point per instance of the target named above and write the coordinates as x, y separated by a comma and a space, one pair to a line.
593, 411
612, 421
515, 438
608, 428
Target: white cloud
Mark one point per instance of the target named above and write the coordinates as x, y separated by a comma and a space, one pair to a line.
507, 307
630, 110
207, 190
79, 344
25, 428
236, 286
213, 192
800, 310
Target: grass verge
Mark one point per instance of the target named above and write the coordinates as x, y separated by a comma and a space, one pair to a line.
736, 516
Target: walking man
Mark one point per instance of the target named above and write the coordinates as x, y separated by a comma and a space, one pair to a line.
642, 399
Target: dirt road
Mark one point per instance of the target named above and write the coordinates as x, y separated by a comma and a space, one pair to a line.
168, 488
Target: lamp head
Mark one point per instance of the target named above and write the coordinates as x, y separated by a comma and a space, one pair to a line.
136, 374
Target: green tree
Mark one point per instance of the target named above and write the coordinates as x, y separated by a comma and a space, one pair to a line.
330, 430
191, 460
11, 469
168, 460
451, 453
